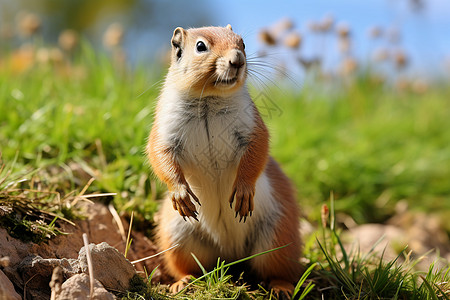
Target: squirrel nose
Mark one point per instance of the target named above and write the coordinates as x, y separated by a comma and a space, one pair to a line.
237, 59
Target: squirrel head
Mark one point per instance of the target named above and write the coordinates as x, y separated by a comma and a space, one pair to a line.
207, 61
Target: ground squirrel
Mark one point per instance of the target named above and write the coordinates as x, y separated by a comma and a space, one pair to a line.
210, 146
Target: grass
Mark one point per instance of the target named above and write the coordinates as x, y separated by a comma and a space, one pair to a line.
355, 275
31, 209
215, 284
371, 145
94, 123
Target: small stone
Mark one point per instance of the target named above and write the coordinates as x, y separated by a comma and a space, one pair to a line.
111, 268
368, 235
37, 272
78, 287
7, 291
5, 261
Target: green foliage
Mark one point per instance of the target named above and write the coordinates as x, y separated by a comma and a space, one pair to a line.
139, 289
91, 118
309, 286
216, 283
371, 145
435, 284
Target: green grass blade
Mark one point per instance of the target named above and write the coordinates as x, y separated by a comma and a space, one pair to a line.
303, 279
199, 264
229, 265
306, 291
432, 294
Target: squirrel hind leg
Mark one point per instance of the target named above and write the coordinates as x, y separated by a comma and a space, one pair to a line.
177, 286
282, 288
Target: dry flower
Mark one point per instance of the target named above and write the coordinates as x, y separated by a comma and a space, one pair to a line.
375, 32
43, 55
113, 36
68, 40
279, 28
324, 214
400, 59
343, 30
348, 66
267, 38
293, 40
29, 24
327, 23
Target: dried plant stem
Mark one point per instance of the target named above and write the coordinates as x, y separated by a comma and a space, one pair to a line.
154, 255
118, 221
128, 243
90, 265
25, 286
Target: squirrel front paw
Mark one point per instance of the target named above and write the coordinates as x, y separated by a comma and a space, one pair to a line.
182, 202
243, 194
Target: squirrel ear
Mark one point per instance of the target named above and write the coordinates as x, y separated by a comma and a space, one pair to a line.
178, 40
229, 27
178, 37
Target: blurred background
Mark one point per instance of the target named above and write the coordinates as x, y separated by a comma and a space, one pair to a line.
411, 33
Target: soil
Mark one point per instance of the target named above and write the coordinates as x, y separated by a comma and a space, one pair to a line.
419, 231
99, 226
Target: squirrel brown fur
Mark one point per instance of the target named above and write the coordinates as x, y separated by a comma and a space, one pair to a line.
210, 146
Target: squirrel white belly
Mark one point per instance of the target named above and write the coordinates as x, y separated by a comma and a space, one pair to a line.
210, 146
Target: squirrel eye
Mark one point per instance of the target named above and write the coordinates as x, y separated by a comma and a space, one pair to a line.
243, 46
201, 47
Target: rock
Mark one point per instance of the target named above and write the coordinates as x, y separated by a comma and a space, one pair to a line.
5, 261
7, 291
426, 237
100, 227
367, 235
77, 287
423, 231
36, 272
111, 268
